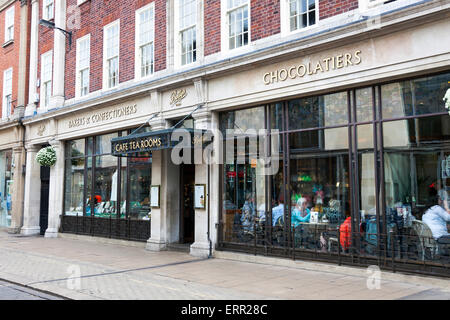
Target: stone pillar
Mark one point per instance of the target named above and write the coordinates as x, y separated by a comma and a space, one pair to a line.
158, 236
32, 194
31, 107
59, 54
17, 190
56, 191
200, 248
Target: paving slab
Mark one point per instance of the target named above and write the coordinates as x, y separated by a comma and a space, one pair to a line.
83, 268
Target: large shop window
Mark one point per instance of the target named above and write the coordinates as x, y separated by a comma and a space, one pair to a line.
100, 187
362, 173
6, 181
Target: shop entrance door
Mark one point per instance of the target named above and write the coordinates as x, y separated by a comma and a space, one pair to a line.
187, 212
45, 184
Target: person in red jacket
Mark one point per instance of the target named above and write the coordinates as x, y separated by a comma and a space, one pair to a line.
345, 231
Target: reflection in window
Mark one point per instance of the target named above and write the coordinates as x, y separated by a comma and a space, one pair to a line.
105, 193
414, 97
140, 177
318, 111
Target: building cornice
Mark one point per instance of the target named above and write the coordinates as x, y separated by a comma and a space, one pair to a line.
426, 11
6, 3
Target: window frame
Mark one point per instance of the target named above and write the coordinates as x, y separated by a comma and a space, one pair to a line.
364, 5
45, 12
44, 81
137, 49
285, 17
9, 24
7, 92
178, 34
225, 38
78, 82
107, 59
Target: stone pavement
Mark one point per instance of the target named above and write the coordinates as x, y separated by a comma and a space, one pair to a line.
94, 268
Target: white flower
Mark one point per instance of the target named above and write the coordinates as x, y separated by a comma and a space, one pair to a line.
46, 157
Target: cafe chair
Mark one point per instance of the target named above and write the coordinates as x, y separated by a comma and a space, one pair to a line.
426, 240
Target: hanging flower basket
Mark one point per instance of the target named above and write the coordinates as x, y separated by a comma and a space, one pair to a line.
46, 157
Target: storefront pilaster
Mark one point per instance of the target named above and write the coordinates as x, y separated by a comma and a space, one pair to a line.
201, 245
32, 193
17, 190
56, 191
159, 236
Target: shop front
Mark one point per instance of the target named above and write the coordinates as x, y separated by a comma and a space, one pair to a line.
358, 171
12, 159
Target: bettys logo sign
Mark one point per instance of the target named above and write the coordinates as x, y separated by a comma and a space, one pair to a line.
177, 96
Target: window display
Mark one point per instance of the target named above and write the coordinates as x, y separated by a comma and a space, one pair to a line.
112, 188
363, 172
6, 181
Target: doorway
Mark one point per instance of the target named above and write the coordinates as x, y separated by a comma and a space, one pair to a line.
45, 185
187, 212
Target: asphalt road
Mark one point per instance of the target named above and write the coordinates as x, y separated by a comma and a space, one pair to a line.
10, 291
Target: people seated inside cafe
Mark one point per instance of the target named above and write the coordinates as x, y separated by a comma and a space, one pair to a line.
437, 217
300, 213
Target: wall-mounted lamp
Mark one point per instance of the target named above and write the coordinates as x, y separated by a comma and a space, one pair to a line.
51, 25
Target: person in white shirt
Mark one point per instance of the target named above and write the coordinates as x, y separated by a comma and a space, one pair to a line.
437, 217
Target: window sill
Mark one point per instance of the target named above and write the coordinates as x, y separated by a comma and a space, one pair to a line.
7, 43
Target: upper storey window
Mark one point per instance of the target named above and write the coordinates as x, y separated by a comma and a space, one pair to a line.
302, 13
9, 24
83, 65
145, 35
7, 93
48, 9
187, 35
238, 23
111, 55
46, 77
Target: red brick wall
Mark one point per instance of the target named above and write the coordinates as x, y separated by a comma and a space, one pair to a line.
329, 8
265, 18
95, 14
9, 55
212, 26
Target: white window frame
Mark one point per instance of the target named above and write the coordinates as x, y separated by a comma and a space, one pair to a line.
285, 16
7, 91
224, 25
44, 81
78, 88
137, 49
80, 2
45, 5
178, 31
9, 24
368, 4
105, 57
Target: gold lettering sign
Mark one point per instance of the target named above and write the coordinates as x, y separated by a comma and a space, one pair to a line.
299, 71
136, 145
97, 118
177, 96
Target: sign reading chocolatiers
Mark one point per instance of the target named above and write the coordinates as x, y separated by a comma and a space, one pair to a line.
313, 67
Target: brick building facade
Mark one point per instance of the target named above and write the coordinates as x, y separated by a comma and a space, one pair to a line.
136, 69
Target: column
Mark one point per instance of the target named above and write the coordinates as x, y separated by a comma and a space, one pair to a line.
159, 222
32, 194
201, 245
31, 107
56, 191
59, 54
17, 190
